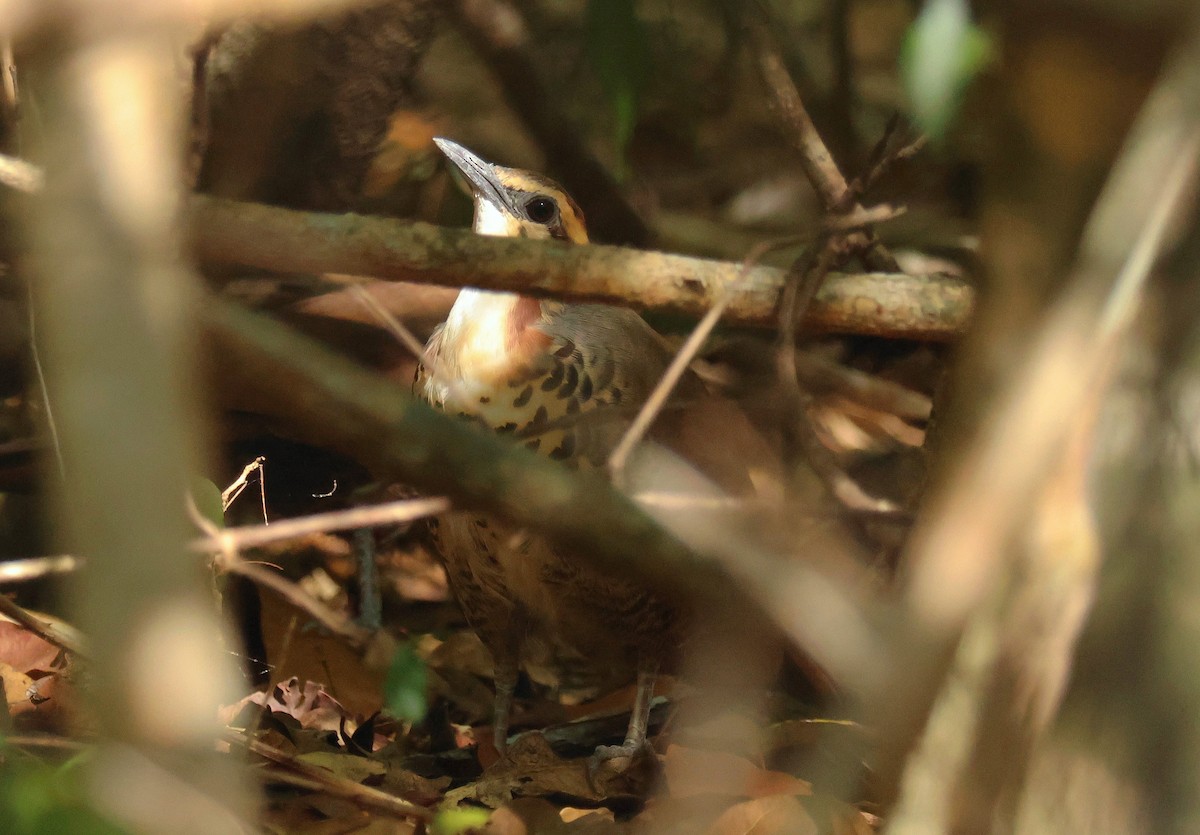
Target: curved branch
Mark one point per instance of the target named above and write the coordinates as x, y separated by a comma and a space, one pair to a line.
319, 398
879, 304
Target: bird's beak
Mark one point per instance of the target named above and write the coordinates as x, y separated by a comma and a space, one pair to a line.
481, 175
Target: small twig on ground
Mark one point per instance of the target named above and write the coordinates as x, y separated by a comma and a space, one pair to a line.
70, 641
366, 796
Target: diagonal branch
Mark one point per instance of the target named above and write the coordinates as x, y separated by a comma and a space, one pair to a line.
317, 397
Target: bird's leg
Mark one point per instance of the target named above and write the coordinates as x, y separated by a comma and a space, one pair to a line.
639, 717
505, 678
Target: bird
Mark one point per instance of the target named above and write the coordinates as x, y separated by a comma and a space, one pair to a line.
566, 380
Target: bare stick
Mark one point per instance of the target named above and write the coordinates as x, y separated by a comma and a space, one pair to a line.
33, 568
818, 163
366, 796
671, 377
229, 560
334, 621
391, 513
70, 641
662, 390
229, 494
399, 330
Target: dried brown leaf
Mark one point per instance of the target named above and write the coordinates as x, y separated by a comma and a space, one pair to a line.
24, 651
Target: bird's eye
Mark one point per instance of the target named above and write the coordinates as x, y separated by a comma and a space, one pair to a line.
541, 209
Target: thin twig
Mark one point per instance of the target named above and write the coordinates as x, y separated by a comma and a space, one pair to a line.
859, 217
878, 168
398, 329
35, 357
675, 371
228, 560
62, 743
334, 621
230, 494
366, 796
33, 568
820, 373
374, 516
71, 641
818, 163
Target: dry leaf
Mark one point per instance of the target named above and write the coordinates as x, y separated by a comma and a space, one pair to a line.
23, 650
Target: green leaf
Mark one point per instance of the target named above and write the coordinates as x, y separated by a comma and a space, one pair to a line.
38, 800
207, 497
943, 51
619, 52
457, 821
404, 688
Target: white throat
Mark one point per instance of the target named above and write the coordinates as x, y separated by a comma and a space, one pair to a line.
490, 220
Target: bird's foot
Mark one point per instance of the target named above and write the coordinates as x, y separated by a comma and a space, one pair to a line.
627, 749
619, 758
627, 768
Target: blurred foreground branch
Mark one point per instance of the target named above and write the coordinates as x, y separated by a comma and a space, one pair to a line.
117, 333
1005, 560
317, 397
882, 304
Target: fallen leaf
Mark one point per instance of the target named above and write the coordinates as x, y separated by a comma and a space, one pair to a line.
16, 686
23, 650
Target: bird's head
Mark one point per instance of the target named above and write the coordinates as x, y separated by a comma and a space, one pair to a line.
511, 203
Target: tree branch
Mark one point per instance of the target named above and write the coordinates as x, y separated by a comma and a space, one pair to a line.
879, 304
